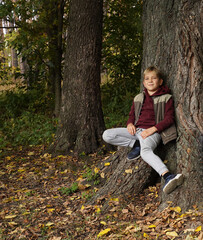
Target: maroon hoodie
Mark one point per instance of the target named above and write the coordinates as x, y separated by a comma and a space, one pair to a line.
147, 116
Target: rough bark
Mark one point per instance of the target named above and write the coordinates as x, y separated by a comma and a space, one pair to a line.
122, 177
81, 119
173, 42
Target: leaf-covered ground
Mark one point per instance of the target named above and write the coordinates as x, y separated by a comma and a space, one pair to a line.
47, 198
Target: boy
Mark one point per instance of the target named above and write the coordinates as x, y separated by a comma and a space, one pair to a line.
151, 119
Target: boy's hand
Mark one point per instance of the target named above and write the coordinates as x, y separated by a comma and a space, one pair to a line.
131, 129
147, 132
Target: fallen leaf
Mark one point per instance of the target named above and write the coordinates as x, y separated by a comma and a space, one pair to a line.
31, 154
129, 171
103, 223
172, 234
152, 226
96, 170
176, 209
10, 216
198, 229
104, 232
107, 164
145, 235
49, 224
125, 211
102, 175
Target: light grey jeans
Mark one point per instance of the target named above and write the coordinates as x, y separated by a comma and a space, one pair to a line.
121, 137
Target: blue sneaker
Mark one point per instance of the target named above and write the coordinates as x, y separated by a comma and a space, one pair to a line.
134, 153
172, 182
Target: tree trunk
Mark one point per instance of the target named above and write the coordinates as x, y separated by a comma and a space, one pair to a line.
81, 119
173, 42
121, 176
55, 12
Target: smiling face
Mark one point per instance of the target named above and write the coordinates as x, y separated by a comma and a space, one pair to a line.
152, 82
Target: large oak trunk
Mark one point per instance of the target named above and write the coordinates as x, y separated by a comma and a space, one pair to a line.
81, 119
173, 42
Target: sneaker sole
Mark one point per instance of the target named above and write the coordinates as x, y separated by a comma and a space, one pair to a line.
173, 183
133, 158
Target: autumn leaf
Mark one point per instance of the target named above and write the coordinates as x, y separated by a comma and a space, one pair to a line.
10, 216
129, 171
49, 224
102, 175
145, 235
152, 226
96, 170
176, 209
107, 164
31, 154
103, 223
198, 229
172, 234
104, 232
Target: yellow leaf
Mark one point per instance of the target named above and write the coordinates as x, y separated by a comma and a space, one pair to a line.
129, 171
31, 154
69, 212
82, 208
136, 167
50, 210
198, 229
145, 235
103, 223
10, 216
102, 175
96, 170
8, 158
21, 170
49, 224
172, 234
107, 164
176, 209
115, 199
98, 210
152, 226
12, 223
79, 179
103, 232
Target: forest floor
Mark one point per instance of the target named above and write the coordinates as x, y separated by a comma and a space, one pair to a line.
42, 197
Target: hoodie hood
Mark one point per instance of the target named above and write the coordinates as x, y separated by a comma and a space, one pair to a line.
160, 91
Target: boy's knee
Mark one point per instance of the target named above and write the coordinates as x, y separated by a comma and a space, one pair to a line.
145, 150
106, 137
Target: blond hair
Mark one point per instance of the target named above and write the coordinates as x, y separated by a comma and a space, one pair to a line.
153, 69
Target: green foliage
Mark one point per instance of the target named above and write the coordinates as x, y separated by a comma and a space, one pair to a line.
23, 119
122, 53
70, 190
90, 175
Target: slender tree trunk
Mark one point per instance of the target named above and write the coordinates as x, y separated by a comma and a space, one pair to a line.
81, 119
55, 12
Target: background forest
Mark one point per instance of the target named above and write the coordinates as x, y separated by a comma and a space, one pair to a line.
50, 102
33, 42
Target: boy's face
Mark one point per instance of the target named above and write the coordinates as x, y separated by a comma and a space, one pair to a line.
151, 82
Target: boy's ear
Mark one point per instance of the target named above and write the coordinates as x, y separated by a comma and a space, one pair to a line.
161, 82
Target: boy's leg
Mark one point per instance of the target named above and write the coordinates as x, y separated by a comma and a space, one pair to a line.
147, 152
119, 137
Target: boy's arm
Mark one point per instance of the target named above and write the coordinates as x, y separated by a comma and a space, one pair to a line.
130, 123
169, 117
131, 118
